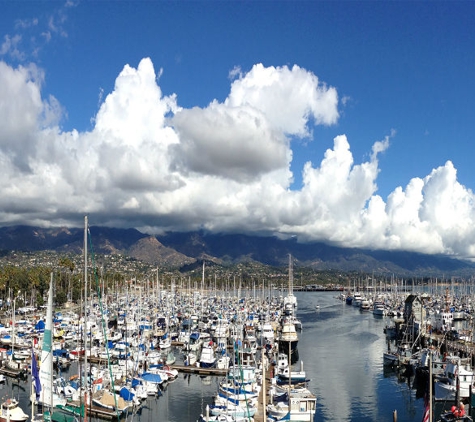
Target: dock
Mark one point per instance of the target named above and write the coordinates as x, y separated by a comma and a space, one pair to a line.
13, 373
263, 395
191, 369
464, 348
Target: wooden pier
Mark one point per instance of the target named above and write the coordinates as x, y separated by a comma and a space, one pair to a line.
259, 415
439, 341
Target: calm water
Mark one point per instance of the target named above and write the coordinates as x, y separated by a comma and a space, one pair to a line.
341, 349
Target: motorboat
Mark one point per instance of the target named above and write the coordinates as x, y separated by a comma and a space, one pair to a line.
11, 411
207, 357
454, 376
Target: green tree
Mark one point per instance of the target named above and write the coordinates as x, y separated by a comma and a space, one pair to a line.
61, 298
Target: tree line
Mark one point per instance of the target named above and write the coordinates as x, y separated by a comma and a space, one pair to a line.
29, 286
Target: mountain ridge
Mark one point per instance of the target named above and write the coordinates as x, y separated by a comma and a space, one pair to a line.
176, 250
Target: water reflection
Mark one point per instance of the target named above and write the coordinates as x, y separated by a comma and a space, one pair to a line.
342, 349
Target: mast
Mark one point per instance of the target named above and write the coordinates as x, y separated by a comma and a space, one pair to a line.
45, 374
49, 313
13, 330
430, 387
85, 314
202, 288
291, 275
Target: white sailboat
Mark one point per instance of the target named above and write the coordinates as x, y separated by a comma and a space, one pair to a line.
47, 397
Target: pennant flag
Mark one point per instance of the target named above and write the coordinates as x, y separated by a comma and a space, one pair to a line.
35, 374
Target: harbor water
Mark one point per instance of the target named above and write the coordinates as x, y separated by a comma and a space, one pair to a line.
341, 349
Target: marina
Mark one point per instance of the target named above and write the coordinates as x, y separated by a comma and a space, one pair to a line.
308, 355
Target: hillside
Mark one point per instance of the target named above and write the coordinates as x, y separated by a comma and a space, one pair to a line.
176, 250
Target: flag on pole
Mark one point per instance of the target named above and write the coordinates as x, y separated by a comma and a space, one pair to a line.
35, 374
426, 415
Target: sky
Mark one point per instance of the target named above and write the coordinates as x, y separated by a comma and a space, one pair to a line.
349, 123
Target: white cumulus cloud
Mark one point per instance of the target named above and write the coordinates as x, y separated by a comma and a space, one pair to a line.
150, 163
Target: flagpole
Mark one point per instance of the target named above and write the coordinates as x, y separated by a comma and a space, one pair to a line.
430, 386
32, 388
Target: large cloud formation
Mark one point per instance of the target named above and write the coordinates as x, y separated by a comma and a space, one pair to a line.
151, 164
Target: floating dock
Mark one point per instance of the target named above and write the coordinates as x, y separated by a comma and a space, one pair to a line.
191, 369
13, 373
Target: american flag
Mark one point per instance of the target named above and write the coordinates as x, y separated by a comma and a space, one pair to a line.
426, 415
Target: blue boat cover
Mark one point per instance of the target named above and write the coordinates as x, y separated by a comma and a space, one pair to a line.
40, 325
126, 394
148, 376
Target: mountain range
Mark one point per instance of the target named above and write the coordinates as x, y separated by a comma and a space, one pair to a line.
177, 250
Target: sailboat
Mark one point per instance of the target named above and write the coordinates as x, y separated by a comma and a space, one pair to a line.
47, 397
14, 366
288, 338
42, 379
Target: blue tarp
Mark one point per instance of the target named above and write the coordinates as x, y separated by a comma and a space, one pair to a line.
149, 377
126, 394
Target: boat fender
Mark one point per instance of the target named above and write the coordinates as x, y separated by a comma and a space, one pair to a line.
458, 411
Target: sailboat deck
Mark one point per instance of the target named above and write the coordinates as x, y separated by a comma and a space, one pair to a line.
96, 411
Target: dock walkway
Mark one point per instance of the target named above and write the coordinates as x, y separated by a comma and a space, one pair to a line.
437, 340
192, 369
264, 397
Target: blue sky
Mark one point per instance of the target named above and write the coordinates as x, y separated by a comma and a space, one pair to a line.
257, 117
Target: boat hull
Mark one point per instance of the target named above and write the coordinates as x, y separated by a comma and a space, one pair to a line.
286, 346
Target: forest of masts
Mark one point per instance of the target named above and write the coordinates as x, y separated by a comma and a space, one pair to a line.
29, 285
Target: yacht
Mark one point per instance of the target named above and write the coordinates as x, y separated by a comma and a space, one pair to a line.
288, 341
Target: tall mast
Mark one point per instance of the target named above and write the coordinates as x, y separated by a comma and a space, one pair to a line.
202, 287
49, 314
85, 310
291, 275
